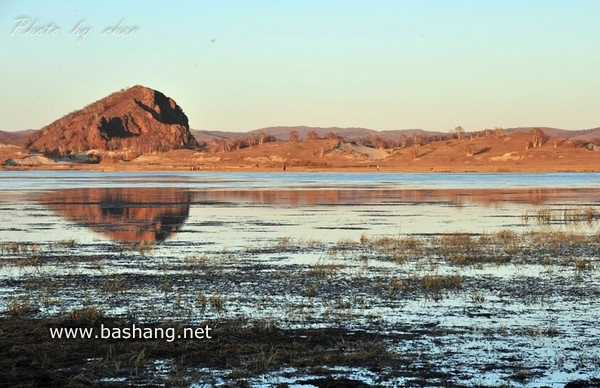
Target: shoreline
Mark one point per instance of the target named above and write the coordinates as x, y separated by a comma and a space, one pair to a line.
478, 155
350, 169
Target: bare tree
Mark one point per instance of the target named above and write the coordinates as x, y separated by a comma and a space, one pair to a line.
471, 149
403, 141
459, 131
333, 136
390, 144
217, 145
415, 151
294, 136
537, 137
418, 139
253, 140
378, 142
312, 135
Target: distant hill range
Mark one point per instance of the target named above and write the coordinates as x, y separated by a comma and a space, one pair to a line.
282, 133
13, 137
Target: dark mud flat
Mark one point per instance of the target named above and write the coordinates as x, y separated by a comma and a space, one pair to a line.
239, 350
499, 309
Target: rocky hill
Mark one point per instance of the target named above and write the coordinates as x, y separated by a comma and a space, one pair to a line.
130, 122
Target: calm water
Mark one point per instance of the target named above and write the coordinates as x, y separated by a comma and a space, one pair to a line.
505, 319
48, 180
238, 209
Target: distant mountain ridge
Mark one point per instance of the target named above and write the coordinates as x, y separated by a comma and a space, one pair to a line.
282, 133
13, 137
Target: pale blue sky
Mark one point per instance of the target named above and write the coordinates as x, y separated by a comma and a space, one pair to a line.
243, 65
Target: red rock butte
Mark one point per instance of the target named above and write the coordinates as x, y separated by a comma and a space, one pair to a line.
134, 121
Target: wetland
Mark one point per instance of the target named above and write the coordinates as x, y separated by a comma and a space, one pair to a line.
306, 279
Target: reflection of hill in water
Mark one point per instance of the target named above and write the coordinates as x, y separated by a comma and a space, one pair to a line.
155, 214
124, 214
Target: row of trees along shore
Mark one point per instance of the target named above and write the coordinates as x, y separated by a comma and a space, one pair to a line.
537, 139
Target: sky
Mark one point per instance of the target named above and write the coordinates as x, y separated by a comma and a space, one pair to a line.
244, 65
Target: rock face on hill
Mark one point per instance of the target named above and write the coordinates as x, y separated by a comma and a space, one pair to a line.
134, 121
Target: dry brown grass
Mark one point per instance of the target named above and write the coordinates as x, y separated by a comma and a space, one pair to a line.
86, 315
243, 348
323, 269
438, 283
22, 306
114, 284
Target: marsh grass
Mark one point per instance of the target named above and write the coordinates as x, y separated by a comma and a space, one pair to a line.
22, 306
461, 248
311, 290
398, 285
581, 214
560, 242
477, 297
114, 284
14, 248
344, 245
283, 244
217, 301
145, 247
438, 283
508, 241
195, 262
583, 265
86, 316
202, 300
398, 249
324, 270
548, 216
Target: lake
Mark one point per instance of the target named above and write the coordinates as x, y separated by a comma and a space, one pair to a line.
326, 250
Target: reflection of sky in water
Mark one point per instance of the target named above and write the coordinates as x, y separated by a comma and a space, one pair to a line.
242, 209
46, 180
247, 225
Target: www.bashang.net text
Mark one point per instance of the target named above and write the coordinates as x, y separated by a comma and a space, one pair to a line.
169, 334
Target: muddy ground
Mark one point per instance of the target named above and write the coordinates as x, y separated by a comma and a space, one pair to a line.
499, 309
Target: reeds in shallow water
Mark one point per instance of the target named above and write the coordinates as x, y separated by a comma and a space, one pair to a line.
548, 216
